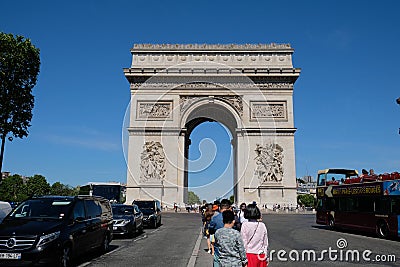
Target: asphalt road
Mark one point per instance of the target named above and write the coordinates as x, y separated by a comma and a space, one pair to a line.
301, 233
177, 243
169, 245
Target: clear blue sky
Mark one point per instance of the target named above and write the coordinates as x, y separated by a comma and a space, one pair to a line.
344, 100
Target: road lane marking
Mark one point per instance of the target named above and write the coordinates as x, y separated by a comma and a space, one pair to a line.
195, 251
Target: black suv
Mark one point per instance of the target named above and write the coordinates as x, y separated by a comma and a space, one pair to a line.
151, 212
56, 228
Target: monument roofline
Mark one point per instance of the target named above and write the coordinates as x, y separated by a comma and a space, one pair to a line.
210, 47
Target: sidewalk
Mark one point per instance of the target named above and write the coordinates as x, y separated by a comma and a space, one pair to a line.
203, 259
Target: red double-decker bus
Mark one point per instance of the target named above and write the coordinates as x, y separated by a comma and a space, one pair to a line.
369, 203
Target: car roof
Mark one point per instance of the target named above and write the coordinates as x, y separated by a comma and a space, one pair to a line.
68, 197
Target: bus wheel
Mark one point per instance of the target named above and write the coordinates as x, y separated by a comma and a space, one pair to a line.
331, 223
382, 230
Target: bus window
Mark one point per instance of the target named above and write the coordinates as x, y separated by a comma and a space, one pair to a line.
395, 203
321, 179
349, 204
382, 206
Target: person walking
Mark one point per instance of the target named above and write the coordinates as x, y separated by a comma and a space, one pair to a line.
207, 218
241, 212
255, 237
217, 223
230, 244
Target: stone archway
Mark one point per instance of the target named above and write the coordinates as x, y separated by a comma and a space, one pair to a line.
213, 110
248, 88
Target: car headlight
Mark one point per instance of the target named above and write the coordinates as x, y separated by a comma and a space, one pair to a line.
125, 222
48, 238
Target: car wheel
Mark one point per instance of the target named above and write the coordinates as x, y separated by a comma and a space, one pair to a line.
105, 246
64, 259
331, 223
159, 223
382, 230
132, 231
141, 228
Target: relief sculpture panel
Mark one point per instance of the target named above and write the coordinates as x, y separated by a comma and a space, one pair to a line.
269, 161
154, 111
152, 164
268, 110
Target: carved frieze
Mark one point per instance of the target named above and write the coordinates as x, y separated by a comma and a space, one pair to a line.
152, 162
268, 110
211, 46
234, 101
187, 101
160, 110
269, 163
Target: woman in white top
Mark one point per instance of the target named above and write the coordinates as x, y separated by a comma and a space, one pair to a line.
255, 237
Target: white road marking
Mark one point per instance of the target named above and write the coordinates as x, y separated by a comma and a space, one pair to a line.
195, 251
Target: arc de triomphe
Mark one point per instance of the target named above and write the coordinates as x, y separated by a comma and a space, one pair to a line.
248, 88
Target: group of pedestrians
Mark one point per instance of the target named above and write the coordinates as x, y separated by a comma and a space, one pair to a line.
236, 239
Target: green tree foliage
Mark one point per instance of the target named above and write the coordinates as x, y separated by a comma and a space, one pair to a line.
60, 189
307, 200
37, 185
193, 198
19, 68
232, 199
13, 189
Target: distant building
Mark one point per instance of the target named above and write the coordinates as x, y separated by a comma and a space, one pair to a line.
308, 179
308, 187
5, 175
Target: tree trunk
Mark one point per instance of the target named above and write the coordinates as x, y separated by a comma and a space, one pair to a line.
3, 142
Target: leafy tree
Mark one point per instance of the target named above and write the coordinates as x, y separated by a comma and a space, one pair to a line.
37, 185
62, 190
193, 198
13, 189
232, 199
19, 68
307, 200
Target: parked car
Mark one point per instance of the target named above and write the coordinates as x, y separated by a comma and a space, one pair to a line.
151, 212
56, 229
128, 219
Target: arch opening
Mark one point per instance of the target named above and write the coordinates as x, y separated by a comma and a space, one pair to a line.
210, 152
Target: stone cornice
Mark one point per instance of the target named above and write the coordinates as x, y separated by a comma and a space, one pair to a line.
212, 71
210, 47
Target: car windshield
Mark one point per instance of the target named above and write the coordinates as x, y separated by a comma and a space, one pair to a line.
143, 205
42, 208
122, 210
